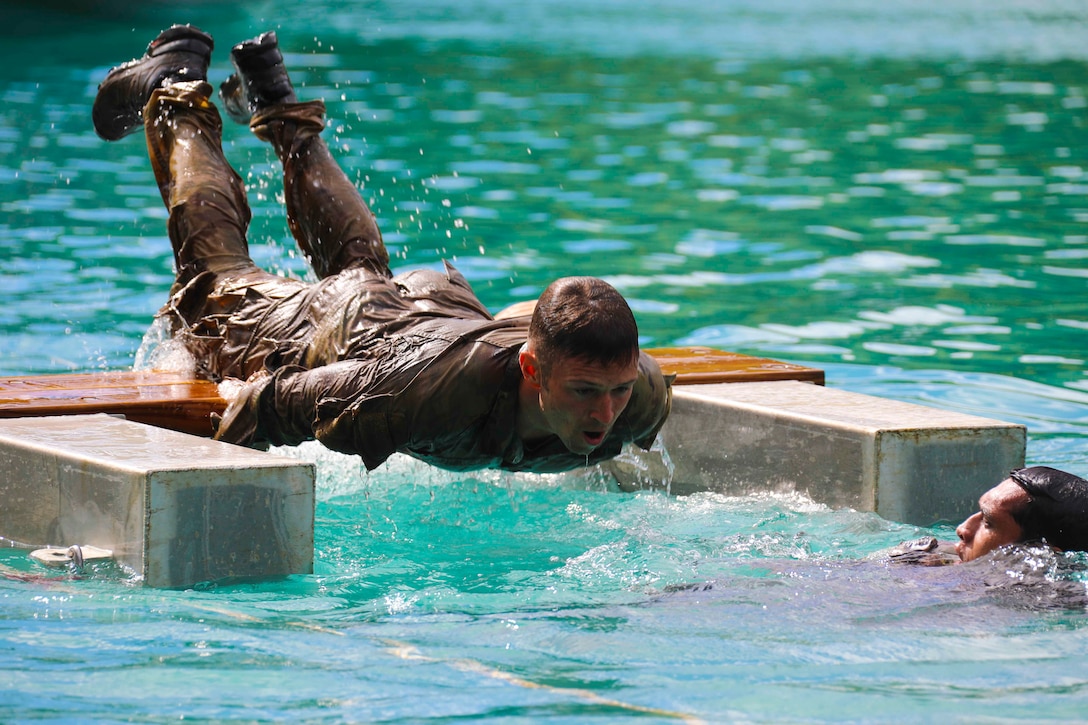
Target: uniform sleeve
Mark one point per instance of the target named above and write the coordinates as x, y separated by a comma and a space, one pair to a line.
293, 405
422, 403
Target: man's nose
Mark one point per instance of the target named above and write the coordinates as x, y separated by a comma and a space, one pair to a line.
603, 411
967, 529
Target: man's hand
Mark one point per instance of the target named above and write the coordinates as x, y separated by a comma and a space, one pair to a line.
926, 551
239, 424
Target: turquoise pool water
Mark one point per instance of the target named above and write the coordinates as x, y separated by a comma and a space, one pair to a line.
895, 193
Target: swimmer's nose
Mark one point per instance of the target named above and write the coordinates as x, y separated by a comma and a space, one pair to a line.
966, 530
605, 411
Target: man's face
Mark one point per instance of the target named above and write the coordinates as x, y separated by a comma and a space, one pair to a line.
581, 400
993, 525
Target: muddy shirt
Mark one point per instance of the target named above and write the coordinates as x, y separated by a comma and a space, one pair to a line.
371, 365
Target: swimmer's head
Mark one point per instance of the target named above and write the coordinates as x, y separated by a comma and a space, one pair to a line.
583, 318
580, 363
1057, 510
1032, 504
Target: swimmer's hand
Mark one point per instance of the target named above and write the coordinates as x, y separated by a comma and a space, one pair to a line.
229, 388
925, 551
239, 423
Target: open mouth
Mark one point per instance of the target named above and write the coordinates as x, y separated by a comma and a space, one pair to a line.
593, 438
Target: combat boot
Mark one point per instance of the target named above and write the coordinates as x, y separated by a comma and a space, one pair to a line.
260, 79
180, 53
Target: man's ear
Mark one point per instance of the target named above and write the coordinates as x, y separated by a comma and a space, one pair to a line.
530, 368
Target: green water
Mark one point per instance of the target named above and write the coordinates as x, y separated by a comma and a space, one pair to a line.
894, 193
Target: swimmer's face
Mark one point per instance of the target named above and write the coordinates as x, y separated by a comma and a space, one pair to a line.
993, 525
581, 400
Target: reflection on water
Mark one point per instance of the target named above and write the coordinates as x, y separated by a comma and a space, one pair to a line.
895, 193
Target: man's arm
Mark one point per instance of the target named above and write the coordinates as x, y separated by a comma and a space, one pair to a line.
424, 402
332, 403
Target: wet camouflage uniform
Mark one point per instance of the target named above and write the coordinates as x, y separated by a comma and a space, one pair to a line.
365, 362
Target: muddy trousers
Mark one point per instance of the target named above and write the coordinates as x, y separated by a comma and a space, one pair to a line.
209, 213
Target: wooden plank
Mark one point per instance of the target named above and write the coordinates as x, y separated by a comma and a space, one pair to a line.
180, 402
704, 365
165, 399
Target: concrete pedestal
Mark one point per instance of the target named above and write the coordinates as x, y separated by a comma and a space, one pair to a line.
176, 508
180, 509
906, 462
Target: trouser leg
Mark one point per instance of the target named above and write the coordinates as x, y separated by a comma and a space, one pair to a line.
206, 199
219, 294
329, 219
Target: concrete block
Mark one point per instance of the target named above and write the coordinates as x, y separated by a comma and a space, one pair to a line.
906, 462
176, 508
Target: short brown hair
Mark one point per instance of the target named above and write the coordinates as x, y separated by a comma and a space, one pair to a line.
585, 318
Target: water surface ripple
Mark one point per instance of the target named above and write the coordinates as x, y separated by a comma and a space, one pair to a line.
897, 193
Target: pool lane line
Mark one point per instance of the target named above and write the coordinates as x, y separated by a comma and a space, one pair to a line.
51, 581
242, 616
410, 652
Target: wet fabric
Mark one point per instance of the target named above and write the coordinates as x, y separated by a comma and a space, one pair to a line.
366, 362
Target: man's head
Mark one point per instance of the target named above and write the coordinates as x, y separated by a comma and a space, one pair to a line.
580, 361
585, 318
1032, 504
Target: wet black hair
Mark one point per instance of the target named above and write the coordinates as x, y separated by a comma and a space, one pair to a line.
1057, 512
